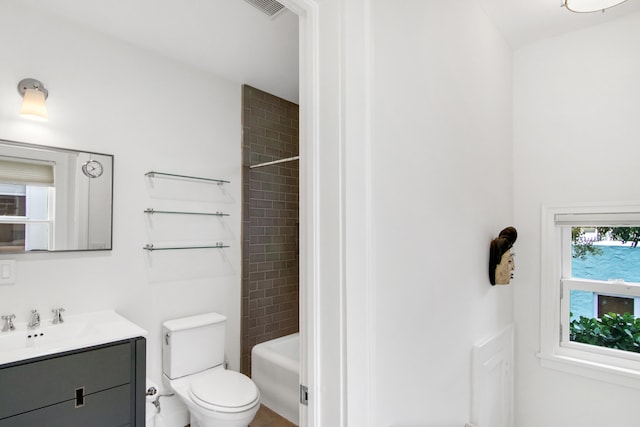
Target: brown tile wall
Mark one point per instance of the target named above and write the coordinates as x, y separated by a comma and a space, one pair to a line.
269, 221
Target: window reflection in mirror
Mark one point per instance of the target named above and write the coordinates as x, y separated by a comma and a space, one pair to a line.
25, 221
54, 199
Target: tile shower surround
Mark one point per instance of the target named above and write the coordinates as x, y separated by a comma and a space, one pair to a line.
269, 221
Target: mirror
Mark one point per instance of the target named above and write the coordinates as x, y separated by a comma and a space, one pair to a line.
54, 199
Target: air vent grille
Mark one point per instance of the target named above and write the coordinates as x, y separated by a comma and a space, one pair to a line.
269, 7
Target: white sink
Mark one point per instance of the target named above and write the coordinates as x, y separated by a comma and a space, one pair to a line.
77, 331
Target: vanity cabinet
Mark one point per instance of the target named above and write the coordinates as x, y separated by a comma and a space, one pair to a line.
101, 386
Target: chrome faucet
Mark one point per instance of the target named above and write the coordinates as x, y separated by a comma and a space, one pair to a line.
57, 315
35, 319
8, 322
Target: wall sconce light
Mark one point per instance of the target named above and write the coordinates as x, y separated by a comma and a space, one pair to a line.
34, 94
585, 6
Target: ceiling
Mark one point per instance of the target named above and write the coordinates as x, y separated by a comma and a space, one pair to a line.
234, 40
524, 21
229, 38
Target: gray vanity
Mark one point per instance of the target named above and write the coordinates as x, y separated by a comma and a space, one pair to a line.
97, 379
81, 370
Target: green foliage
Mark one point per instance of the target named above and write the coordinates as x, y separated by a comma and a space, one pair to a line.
624, 234
582, 246
619, 331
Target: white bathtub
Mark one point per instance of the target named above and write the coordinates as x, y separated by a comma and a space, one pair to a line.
275, 368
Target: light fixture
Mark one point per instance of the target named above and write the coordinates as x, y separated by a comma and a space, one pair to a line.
585, 6
34, 94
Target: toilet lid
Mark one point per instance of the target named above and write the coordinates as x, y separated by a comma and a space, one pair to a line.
224, 390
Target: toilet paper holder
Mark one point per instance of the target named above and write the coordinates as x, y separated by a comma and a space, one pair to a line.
153, 391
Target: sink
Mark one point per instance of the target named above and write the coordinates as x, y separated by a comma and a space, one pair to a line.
51, 335
77, 331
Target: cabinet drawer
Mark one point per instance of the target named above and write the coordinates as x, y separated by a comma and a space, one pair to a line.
33, 385
109, 408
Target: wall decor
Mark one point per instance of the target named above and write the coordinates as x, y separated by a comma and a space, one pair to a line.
501, 262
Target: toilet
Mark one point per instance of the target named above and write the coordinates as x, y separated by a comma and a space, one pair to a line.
193, 367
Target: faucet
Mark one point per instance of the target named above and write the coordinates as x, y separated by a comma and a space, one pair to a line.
35, 319
8, 323
57, 315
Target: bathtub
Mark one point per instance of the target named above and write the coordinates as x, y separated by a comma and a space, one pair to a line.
275, 368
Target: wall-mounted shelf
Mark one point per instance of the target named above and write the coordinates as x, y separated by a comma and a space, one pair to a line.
218, 245
152, 174
153, 211
151, 247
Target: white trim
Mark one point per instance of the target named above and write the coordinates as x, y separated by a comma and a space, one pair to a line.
322, 231
613, 287
23, 220
550, 280
492, 360
579, 359
310, 364
606, 356
609, 218
594, 208
593, 370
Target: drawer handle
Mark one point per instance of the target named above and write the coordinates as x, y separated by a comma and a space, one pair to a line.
80, 397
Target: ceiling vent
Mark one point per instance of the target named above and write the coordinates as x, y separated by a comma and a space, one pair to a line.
269, 7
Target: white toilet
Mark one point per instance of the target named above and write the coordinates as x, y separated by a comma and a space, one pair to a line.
193, 366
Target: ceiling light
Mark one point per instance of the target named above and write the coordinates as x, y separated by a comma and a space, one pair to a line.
584, 6
34, 95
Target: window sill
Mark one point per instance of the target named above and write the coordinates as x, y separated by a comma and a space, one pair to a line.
589, 369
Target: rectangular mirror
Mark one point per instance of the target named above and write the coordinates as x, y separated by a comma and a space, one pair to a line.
54, 199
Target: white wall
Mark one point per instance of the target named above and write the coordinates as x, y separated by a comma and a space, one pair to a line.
441, 190
152, 114
576, 133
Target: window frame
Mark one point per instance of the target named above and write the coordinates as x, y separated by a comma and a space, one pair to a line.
556, 351
602, 288
26, 220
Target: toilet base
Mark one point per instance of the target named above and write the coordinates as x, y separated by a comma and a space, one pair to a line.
201, 417
195, 422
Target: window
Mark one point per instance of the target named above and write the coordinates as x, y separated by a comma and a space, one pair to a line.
26, 205
591, 291
25, 217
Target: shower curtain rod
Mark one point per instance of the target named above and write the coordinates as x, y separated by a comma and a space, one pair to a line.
288, 159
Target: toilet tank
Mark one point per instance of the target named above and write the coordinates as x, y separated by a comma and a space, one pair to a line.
192, 344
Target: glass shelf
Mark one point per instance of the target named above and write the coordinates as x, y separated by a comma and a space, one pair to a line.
151, 247
152, 174
153, 211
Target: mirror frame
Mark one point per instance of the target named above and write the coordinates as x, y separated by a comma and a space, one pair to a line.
45, 148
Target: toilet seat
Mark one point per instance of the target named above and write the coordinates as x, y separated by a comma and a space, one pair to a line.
223, 391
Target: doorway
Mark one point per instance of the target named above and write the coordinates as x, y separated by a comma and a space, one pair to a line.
307, 229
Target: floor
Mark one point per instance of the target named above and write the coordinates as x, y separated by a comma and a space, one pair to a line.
267, 418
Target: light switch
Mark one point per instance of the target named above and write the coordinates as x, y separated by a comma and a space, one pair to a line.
7, 271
